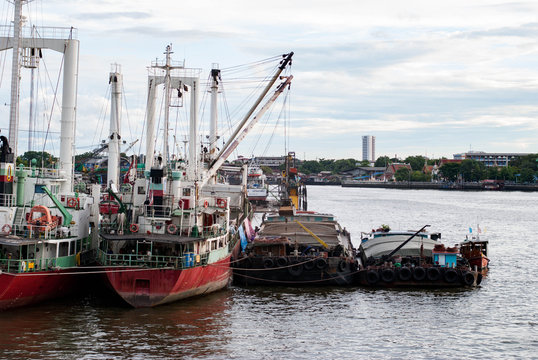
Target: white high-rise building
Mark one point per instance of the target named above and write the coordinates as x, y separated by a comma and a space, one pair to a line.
368, 148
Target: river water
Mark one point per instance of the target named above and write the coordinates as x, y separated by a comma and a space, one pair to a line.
499, 319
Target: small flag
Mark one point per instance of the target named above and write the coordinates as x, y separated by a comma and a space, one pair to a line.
470, 229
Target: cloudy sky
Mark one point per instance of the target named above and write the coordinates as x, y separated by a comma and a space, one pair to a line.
425, 77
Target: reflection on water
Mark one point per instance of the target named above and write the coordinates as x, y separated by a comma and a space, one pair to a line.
496, 320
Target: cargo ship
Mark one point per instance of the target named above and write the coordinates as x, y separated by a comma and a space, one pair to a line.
169, 231
44, 223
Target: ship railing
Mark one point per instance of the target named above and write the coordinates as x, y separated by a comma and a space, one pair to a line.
183, 261
16, 266
41, 232
158, 210
6, 200
41, 32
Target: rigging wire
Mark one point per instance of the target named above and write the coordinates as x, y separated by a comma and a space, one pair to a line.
52, 109
126, 111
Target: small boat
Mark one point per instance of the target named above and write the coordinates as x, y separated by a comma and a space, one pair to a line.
383, 240
297, 247
475, 251
444, 267
257, 190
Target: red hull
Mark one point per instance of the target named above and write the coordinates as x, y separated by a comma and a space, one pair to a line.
27, 289
151, 287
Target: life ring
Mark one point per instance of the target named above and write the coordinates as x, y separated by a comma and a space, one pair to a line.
372, 277
450, 276
388, 275
342, 266
268, 263
309, 265
134, 228
467, 278
405, 274
221, 203
171, 229
206, 204
6, 228
296, 268
321, 263
72, 202
433, 274
23, 266
282, 261
419, 273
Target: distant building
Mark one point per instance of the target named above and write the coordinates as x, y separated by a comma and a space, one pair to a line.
489, 159
368, 148
273, 162
392, 168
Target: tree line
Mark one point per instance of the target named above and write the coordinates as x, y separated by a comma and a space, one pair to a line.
521, 169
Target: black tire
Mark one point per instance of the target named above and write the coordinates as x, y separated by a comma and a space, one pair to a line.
342, 266
405, 274
268, 263
467, 278
321, 263
282, 261
388, 275
246, 263
450, 276
296, 268
479, 279
309, 264
433, 274
419, 273
372, 277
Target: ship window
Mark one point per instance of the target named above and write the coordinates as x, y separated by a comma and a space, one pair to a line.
64, 247
141, 190
186, 192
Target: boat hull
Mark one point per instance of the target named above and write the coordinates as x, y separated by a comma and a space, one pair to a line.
294, 271
440, 278
149, 287
26, 289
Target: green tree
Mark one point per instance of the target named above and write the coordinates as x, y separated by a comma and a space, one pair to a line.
266, 170
527, 175
310, 166
44, 159
416, 162
492, 173
420, 176
507, 173
402, 174
472, 170
344, 164
382, 161
450, 171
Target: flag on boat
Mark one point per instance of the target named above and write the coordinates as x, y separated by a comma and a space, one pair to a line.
243, 238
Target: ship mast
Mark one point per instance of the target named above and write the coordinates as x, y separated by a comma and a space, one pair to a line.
115, 80
15, 75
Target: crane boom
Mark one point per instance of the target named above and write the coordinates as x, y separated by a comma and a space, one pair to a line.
233, 145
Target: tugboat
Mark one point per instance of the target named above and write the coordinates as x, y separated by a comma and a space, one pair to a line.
257, 190
475, 250
444, 267
296, 247
45, 224
174, 237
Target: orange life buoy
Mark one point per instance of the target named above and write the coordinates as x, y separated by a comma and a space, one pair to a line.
171, 229
134, 228
72, 202
221, 203
206, 204
6, 229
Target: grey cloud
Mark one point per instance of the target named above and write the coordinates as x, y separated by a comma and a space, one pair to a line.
529, 30
158, 32
137, 15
